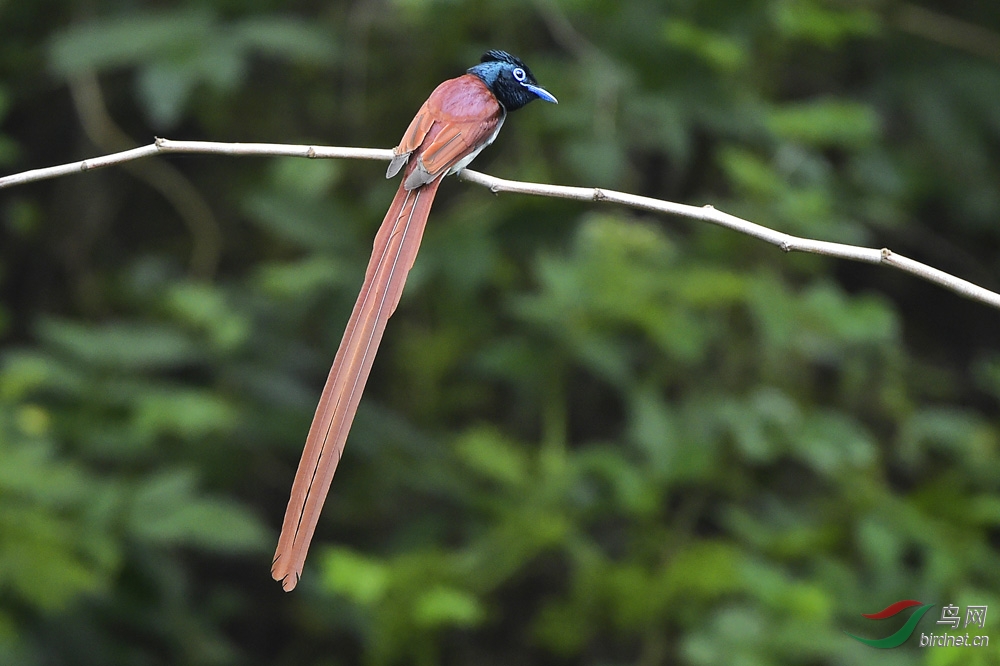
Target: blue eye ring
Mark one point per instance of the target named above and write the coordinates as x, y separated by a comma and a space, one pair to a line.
519, 75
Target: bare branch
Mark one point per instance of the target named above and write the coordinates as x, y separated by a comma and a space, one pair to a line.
948, 30
785, 242
164, 146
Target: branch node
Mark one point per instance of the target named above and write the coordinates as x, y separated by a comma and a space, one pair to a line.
599, 194
886, 254
311, 153
84, 165
159, 141
785, 245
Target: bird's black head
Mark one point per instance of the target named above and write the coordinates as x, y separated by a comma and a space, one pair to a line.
510, 80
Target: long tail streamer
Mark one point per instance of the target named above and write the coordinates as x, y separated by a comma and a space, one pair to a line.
393, 254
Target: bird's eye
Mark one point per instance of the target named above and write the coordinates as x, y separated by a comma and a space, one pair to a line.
519, 74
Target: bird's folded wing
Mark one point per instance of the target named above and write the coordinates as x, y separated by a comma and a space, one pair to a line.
456, 140
459, 118
412, 138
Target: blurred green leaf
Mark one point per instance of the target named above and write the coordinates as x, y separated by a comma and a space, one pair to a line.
165, 88
123, 345
443, 606
177, 50
55, 542
814, 21
718, 50
128, 40
166, 509
960, 434
360, 579
832, 444
826, 122
599, 159
654, 427
311, 179
187, 414
488, 453
630, 489
750, 172
283, 36
866, 319
25, 372
306, 224
206, 308
300, 278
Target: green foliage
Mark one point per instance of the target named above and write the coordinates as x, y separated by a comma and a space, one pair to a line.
166, 510
56, 519
824, 24
825, 123
591, 436
175, 52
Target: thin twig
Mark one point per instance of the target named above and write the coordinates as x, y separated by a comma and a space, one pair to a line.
786, 242
165, 178
164, 146
948, 30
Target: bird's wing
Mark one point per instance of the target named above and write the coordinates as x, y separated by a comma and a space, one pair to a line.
412, 138
465, 115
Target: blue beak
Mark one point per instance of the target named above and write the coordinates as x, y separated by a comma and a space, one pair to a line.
541, 92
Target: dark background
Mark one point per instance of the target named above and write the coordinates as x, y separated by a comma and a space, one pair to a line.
591, 436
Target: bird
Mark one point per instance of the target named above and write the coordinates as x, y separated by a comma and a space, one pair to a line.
461, 117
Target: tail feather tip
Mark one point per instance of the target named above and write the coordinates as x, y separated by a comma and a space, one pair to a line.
288, 580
